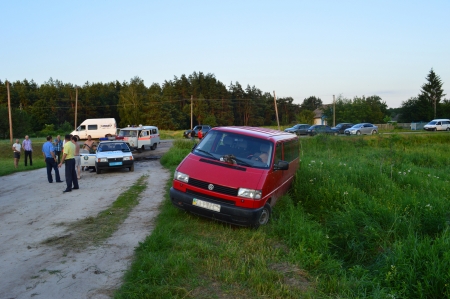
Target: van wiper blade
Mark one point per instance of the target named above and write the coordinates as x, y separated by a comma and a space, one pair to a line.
242, 162
207, 153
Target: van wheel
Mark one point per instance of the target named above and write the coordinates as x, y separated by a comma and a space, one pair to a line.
132, 168
264, 216
448, 129
154, 146
108, 135
374, 132
78, 138
358, 133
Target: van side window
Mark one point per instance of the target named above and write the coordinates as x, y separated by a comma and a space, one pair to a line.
92, 127
291, 150
153, 131
81, 128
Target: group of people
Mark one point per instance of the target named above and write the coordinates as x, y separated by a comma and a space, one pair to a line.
71, 157
27, 148
52, 151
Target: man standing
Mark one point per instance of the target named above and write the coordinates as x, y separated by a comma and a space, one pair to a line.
16, 149
68, 156
27, 147
50, 159
58, 147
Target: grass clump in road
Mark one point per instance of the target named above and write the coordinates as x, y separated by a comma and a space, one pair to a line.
95, 229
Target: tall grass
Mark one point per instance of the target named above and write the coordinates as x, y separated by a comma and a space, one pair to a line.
367, 217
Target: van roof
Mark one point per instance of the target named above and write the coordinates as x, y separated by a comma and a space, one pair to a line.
257, 132
139, 128
441, 119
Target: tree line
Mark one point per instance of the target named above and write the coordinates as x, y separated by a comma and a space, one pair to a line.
168, 105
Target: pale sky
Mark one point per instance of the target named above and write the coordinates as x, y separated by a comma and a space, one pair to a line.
295, 48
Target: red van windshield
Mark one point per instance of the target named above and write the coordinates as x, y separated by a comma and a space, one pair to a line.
236, 149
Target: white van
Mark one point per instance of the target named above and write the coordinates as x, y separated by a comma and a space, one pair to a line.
438, 125
96, 127
140, 138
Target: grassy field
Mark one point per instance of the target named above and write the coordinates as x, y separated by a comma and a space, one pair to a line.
367, 217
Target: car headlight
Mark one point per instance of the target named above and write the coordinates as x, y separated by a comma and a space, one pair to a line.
102, 160
249, 193
181, 176
128, 158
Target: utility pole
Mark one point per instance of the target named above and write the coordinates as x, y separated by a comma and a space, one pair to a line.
192, 120
276, 108
76, 105
9, 112
334, 112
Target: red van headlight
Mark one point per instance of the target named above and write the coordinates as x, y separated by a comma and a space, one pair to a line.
179, 176
249, 193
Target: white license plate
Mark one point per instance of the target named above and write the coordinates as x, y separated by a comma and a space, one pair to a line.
115, 163
206, 205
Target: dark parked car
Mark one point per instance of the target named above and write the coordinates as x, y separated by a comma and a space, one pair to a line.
340, 128
363, 128
320, 129
205, 129
299, 129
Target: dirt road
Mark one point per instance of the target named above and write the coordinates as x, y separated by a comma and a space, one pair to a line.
31, 211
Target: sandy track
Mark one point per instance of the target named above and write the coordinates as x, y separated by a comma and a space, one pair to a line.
30, 211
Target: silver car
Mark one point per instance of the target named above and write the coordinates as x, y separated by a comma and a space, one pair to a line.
363, 128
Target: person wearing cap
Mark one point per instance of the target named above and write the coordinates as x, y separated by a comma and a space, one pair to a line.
48, 151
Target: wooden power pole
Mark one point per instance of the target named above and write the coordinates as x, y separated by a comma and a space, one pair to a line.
76, 106
334, 112
9, 113
276, 109
192, 120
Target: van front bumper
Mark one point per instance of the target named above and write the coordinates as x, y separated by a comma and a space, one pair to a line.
229, 214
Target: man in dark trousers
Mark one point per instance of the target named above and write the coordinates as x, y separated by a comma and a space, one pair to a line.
50, 159
68, 156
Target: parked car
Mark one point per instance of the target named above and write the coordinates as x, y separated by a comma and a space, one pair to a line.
438, 125
320, 129
205, 129
363, 128
236, 174
341, 127
109, 154
299, 129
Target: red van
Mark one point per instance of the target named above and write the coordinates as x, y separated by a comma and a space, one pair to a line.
236, 174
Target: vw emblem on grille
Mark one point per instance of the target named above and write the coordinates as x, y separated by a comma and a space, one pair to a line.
210, 186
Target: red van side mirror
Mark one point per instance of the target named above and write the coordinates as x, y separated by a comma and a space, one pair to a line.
281, 165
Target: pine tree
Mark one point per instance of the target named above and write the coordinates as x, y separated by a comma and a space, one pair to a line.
432, 90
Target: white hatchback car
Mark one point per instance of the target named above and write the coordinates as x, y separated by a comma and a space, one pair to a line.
109, 155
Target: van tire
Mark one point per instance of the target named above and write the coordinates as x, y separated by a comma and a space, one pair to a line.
154, 146
108, 135
264, 216
448, 129
78, 137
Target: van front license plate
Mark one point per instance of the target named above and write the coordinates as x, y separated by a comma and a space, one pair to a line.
206, 205
115, 163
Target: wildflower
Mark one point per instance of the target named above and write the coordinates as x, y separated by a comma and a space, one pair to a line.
399, 172
429, 175
409, 170
345, 193
404, 173
313, 161
429, 206
311, 180
326, 236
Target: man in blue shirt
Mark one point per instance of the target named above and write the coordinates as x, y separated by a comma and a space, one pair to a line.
50, 159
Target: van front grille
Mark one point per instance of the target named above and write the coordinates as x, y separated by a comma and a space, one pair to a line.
216, 188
